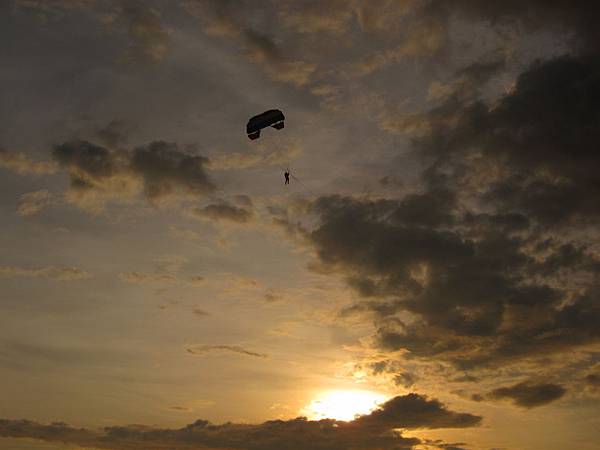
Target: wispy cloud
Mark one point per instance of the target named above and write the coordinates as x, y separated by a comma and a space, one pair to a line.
205, 349
52, 272
21, 164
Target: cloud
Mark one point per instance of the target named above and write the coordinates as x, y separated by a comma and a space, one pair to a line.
149, 40
376, 431
576, 16
529, 395
273, 296
33, 202
143, 278
532, 165
200, 312
21, 164
177, 408
159, 278
239, 161
243, 200
52, 10
339, 18
331, 16
425, 38
493, 260
167, 271
477, 292
115, 133
593, 380
205, 349
52, 272
160, 170
230, 19
465, 88
223, 211
416, 411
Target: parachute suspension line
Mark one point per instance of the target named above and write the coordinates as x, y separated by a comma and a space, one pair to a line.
304, 185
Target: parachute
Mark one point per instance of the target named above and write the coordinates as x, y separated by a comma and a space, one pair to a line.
271, 118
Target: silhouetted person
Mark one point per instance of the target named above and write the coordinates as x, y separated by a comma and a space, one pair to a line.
287, 177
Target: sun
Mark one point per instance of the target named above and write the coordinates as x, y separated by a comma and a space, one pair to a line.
343, 405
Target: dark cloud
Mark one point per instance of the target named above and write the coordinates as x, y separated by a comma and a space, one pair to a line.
416, 411
529, 395
480, 294
372, 432
495, 257
115, 133
536, 145
224, 212
593, 380
394, 368
166, 169
405, 379
160, 169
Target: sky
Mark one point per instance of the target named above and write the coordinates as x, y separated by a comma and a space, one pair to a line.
429, 279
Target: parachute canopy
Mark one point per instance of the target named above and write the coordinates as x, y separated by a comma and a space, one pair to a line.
271, 118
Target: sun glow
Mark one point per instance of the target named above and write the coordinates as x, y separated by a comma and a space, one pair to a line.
343, 405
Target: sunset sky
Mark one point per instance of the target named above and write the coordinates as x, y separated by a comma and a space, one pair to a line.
429, 280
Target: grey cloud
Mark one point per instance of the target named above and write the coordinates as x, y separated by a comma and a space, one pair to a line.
481, 296
529, 395
593, 380
331, 16
205, 349
224, 212
231, 19
405, 379
33, 202
416, 411
243, 200
371, 432
535, 166
425, 37
160, 169
200, 312
158, 278
273, 296
149, 40
577, 16
166, 169
142, 278
481, 255
115, 133
52, 272
394, 368
51, 10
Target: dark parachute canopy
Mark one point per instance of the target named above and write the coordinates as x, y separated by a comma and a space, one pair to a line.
271, 118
